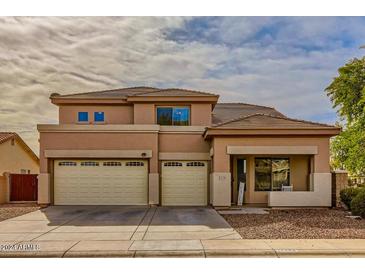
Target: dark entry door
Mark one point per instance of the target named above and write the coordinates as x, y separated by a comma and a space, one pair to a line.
23, 187
241, 171
241, 174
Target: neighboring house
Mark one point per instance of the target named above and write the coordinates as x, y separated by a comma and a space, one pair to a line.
142, 145
15, 158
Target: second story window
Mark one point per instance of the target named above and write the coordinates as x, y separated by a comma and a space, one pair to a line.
173, 116
99, 116
83, 117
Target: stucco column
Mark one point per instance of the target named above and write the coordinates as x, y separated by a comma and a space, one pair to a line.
44, 188
220, 178
153, 188
154, 178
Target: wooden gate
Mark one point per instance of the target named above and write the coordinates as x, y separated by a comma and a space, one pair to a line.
23, 187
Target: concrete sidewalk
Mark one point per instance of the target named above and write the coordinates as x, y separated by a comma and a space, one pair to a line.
187, 248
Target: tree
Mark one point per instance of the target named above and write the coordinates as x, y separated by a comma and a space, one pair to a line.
347, 93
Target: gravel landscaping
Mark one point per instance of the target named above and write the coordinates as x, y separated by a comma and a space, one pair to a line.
298, 224
8, 211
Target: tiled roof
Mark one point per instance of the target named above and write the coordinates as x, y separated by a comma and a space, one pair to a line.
5, 136
112, 93
262, 120
133, 91
176, 92
227, 111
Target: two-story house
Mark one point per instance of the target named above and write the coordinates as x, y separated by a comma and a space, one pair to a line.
142, 145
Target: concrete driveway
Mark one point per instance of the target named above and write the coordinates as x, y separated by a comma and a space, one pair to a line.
116, 223
122, 231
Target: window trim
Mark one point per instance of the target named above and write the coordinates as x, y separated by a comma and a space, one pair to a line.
172, 118
87, 117
271, 177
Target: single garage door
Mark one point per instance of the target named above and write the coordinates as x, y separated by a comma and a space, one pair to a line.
184, 183
100, 182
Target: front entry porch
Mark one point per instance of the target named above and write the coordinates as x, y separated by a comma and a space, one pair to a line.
274, 175
262, 175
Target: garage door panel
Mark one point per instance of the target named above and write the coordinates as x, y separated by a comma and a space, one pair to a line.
100, 182
184, 183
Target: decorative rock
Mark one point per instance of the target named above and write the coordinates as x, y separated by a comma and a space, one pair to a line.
354, 217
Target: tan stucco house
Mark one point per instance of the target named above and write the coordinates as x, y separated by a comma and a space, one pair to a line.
16, 158
142, 145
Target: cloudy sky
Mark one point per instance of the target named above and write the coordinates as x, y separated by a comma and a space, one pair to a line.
284, 62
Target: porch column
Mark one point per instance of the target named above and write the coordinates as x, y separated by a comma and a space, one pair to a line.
220, 178
44, 191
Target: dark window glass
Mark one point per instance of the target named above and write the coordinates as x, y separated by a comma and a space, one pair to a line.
271, 174
99, 116
83, 117
262, 174
164, 116
180, 116
173, 116
280, 173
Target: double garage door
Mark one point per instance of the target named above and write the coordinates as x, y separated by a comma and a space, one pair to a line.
100, 182
125, 182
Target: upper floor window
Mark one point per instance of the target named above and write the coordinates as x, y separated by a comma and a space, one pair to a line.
99, 116
83, 117
173, 116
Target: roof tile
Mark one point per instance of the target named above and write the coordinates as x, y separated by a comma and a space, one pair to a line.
112, 93
4, 136
134, 91
176, 92
227, 111
262, 120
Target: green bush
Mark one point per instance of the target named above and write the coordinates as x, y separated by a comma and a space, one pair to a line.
358, 203
347, 194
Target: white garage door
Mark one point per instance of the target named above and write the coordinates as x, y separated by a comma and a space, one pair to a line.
100, 182
184, 183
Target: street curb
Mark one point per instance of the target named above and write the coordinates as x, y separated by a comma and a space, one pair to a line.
186, 253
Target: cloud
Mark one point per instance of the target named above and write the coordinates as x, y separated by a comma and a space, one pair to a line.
284, 62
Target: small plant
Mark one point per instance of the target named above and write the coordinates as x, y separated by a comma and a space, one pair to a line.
358, 203
348, 194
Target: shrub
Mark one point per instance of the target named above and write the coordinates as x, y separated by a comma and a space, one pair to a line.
358, 203
347, 194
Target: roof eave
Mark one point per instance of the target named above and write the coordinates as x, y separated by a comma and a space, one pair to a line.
82, 100
325, 131
204, 98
